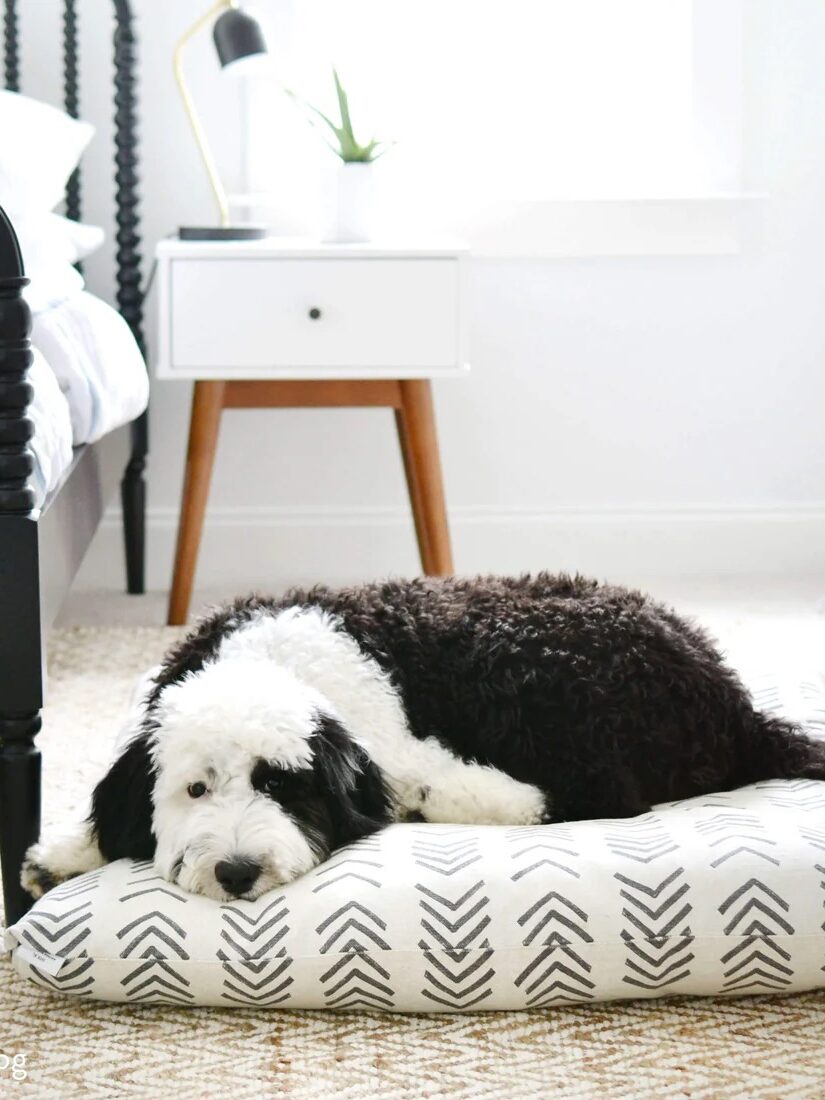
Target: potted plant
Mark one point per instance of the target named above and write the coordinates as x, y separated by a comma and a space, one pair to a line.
354, 190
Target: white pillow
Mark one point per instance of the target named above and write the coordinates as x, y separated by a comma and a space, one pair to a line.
50, 246
78, 239
40, 147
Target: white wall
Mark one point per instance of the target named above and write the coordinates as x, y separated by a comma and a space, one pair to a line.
635, 418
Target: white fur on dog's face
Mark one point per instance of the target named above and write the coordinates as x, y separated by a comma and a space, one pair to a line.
215, 728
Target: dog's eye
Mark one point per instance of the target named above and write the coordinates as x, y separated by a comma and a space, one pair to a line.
272, 785
196, 790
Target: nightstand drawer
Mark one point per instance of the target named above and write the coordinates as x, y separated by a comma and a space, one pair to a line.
264, 317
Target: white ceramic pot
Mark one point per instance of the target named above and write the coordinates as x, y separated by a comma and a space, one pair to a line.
353, 203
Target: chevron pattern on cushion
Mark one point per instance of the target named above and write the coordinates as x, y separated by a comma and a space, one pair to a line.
717, 894
722, 893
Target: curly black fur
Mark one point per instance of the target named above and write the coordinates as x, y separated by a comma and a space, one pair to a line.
122, 803
604, 698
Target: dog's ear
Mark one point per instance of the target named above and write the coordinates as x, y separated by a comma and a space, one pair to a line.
360, 801
121, 816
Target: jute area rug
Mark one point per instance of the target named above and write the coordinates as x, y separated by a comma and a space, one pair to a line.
760, 1047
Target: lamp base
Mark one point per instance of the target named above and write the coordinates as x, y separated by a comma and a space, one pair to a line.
222, 232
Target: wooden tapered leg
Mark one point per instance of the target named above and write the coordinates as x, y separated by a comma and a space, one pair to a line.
415, 420
207, 403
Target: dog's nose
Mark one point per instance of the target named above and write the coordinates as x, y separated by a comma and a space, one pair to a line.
237, 876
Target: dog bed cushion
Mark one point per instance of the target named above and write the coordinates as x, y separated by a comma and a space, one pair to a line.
717, 894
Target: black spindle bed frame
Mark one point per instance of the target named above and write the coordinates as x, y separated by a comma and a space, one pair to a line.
40, 551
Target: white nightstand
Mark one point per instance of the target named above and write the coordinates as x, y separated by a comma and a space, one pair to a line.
291, 324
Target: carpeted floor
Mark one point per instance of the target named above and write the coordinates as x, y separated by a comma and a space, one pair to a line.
755, 1048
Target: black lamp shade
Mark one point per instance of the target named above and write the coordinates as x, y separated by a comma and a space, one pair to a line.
237, 35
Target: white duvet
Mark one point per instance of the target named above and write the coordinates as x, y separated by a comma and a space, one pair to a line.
89, 378
52, 441
96, 361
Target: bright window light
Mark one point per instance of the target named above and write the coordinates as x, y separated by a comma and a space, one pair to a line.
517, 101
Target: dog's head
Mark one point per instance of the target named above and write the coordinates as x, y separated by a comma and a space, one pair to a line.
242, 779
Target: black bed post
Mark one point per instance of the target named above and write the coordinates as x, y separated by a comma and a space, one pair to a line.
21, 676
71, 97
129, 292
11, 53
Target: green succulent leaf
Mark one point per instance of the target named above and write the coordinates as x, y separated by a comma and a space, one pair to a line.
345, 147
343, 106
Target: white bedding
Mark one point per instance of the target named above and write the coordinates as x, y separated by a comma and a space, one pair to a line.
52, 441
88, 374
96, 362
89, 378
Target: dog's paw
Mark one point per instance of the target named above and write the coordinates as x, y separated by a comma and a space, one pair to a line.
532, 807
49, 863
410, 817
548, 817
36, 879
476, 794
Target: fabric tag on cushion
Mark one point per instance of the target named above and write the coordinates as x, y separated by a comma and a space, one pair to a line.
49, 964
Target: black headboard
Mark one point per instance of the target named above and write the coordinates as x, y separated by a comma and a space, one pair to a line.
127, 212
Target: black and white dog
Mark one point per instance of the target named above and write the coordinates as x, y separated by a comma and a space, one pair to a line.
280, 730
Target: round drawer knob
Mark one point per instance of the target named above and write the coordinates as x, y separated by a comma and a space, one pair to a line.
314, 313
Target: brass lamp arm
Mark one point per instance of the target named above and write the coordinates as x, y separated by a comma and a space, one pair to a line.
189, 105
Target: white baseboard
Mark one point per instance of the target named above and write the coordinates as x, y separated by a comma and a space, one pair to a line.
269, 548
